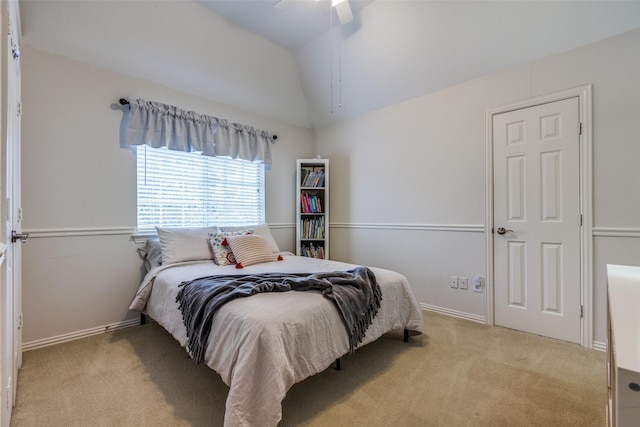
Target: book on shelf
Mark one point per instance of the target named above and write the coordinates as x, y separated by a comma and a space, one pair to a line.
313, 251
310, 203
312, 177
312, 228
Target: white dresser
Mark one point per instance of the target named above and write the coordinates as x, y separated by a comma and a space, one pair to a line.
623, 346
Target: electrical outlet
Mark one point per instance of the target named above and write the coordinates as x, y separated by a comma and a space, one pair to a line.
463, 283
453, 281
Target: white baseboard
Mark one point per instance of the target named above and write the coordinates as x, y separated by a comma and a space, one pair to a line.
595, 345
454, 313
32, 345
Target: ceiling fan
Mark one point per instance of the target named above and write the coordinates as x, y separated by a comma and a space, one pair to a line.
343, 8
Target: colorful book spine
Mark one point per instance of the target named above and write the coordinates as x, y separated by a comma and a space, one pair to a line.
312, 228
313, 251
310, 203
312, 177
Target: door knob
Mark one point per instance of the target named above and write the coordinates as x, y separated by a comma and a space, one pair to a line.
19, 236
501, 230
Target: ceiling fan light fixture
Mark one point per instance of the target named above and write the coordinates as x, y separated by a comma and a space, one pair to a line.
343, 9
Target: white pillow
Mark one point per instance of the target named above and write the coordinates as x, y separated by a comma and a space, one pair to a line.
250, 249
261, 230
185, 244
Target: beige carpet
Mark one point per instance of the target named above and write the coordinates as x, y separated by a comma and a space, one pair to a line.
459, 373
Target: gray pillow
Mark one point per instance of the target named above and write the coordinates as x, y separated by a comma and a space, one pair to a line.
151, 252
185, 244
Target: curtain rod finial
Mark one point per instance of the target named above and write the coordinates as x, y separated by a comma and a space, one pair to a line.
124, 101
274, 137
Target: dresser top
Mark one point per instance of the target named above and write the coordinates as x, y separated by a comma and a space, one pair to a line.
624, 311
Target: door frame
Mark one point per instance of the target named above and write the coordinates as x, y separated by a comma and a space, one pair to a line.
583, 93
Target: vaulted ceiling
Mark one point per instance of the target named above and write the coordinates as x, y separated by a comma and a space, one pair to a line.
298, 64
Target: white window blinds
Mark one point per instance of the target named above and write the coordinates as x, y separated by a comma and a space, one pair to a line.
187, 189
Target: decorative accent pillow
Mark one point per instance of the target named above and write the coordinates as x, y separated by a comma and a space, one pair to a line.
259, 229
222, 254
251, 249
185, 244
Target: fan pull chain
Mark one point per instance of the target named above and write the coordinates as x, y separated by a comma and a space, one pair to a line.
336, 39
339, 69
331, 59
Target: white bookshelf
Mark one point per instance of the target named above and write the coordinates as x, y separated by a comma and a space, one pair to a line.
312, 212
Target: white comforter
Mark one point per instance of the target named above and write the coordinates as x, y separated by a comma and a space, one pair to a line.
264, 344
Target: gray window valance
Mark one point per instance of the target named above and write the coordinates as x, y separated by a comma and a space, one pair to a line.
161, 125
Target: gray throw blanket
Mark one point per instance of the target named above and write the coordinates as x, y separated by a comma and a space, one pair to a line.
356, 293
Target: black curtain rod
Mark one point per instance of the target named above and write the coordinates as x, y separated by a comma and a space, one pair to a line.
125, 102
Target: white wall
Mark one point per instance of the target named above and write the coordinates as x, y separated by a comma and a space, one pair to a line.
81, 268
180, 44
403, 174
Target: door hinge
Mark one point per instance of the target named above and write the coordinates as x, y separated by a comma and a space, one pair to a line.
580, 220
19, 109
581, 311
579, 128
20, 321
20, 216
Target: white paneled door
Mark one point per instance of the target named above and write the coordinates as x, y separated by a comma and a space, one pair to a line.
536, 224
10, 214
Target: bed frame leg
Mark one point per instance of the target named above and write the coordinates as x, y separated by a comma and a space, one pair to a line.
338, 364
143, 318
406, 335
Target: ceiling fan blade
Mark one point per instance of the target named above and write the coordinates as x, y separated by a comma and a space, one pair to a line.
343, 9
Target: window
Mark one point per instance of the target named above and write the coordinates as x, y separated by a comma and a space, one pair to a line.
182, 189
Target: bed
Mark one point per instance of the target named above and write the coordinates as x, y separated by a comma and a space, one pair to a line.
264, 344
